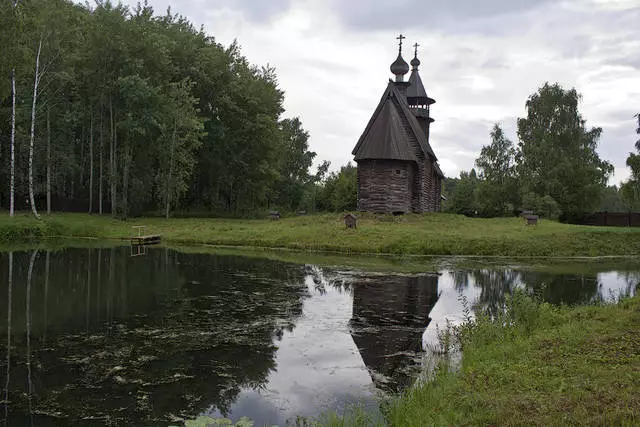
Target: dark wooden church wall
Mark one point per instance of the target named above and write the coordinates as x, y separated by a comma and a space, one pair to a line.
381, 189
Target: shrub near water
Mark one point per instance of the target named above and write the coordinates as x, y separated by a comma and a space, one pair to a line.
536, 364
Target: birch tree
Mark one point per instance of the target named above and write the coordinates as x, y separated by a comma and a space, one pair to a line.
12, 148
91, 164
33, 128
48, 163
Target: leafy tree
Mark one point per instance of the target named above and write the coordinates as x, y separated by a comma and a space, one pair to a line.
497, 188
631, 189
612, 200
463, 200
557, 154
295, 162
339, 191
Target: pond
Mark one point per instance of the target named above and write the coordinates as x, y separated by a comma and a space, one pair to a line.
97, 336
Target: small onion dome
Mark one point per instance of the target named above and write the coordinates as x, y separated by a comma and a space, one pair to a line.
399, 66
415, 63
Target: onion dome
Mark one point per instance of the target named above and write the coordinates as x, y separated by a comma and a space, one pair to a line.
399, 67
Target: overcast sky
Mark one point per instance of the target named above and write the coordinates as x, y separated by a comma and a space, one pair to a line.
480, 61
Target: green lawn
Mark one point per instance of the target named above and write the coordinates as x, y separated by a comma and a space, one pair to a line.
429, 234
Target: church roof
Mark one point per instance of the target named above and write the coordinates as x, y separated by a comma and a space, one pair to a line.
416, 90
385, 137
416, 94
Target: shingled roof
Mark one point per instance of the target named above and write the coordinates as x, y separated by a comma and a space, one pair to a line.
385, 137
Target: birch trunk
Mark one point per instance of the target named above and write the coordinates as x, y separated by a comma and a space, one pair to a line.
12, 185
91, 164
173, 145
101, 161
48, 164
33, 128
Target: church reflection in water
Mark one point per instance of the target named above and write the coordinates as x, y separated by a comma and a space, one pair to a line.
390, 314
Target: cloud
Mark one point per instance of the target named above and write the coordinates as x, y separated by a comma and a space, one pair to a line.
253, 11
367, 15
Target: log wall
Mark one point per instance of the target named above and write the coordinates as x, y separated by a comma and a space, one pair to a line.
384, 186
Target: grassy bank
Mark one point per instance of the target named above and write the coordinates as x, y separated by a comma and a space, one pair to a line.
552, 366
549, 366
431, 234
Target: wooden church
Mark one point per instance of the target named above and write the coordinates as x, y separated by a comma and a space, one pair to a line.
398, 171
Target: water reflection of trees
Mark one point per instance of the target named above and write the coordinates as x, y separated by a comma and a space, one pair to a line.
390, 314
493, 284
134, 341
568, 289
553, 287
324, 278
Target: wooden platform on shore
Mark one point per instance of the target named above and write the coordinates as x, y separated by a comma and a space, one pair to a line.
152, 239
149, 239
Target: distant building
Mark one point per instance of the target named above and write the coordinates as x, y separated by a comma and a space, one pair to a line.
398, 171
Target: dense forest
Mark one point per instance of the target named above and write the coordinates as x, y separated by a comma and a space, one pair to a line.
554, 169
125, 111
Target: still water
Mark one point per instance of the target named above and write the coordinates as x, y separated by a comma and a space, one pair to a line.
101, 337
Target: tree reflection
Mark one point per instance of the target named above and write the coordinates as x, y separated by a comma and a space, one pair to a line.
327, 277
494, 285
8, 349
567, 289
28, 335
552, 287
390, 314
165, 335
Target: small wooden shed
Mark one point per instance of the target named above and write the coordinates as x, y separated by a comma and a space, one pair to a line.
274, 215
350, 220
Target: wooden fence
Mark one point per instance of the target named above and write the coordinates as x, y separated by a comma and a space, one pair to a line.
612, 219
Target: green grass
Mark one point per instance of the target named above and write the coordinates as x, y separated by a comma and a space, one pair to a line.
548, 366
429, 234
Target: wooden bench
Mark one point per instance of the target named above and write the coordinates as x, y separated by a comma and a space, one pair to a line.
531, 219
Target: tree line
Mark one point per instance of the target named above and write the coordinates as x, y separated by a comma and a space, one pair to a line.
553, 169
107, 109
